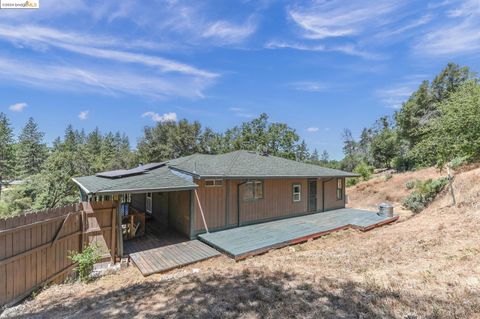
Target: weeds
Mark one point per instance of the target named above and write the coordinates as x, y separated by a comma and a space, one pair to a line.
85, 260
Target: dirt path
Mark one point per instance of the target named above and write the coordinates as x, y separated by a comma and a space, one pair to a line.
426, 265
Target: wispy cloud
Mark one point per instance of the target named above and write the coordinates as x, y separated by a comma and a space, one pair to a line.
348, 49
83, 115
327, 19
309, 86
312, 129
39, 37
396, 95
226, 32
167, 117
103, 80
458, 33
241, 112
18, 107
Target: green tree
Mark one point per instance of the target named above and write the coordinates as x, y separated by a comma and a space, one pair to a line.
31, 151
383, 143
456, 132
7, 153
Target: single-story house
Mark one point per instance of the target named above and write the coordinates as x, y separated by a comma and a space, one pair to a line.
199, 193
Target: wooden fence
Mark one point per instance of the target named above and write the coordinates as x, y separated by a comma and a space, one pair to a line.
34, 248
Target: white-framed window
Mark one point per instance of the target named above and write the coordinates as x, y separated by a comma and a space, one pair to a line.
253, 190
339, 188
213, 182
297, 192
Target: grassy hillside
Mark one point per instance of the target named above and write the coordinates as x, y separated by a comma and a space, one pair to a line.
424, 266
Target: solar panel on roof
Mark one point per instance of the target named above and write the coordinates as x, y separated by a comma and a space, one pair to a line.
151, 166
130, 172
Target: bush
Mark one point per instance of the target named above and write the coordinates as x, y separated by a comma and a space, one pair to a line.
364, 170
410, 184
85, 261
424, 193
459, 161
352, 181
387, 176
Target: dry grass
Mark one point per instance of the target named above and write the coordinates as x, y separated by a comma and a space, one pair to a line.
426, 266
369, 194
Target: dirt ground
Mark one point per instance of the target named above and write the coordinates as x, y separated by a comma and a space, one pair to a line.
423, 266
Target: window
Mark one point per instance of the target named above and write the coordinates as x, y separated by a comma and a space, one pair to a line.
213, 183
253, 190
297, 192
339, 188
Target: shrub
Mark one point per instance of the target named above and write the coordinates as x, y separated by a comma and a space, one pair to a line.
410, 184
352, 181
85, 261
387, 176
459, 161
364, 170
424, 193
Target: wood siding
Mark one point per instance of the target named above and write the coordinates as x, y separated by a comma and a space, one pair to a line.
160, 207
331, 201
138, 201
213, 200
179, 211
277, 201
220, 204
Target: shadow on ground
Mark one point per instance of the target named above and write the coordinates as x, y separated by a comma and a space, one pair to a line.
255, 295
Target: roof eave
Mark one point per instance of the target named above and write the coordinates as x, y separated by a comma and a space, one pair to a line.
81, 186
144, 190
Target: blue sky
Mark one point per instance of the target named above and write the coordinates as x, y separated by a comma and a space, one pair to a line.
320, 66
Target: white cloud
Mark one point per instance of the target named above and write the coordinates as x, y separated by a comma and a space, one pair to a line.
309, 86
105, 80
167, 117
396, 95
228, 33
349, 49
458, 34
17, 107
83, 115
327, 19
241, 112
86, 44
312, 129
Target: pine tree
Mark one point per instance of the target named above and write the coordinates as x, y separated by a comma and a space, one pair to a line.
7, 155
31, 151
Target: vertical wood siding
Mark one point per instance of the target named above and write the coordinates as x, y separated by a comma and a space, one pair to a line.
213, 200
277, 201
179, 211
331, 201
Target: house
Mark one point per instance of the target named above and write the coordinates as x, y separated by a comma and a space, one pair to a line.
199, 193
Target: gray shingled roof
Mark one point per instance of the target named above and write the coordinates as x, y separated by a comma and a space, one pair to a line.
159, 179
245, 164
238, 164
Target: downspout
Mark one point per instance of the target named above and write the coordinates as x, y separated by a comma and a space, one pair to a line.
238, 202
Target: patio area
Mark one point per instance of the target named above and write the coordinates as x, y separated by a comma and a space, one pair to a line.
240, 243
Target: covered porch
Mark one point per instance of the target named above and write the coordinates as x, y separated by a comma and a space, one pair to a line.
242, 242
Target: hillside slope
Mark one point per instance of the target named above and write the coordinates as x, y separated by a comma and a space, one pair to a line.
426, 265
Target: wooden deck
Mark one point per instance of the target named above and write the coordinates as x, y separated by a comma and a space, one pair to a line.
240, 243
162, 249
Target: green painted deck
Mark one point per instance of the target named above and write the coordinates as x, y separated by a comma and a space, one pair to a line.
242, 242
163, 249
169, 257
